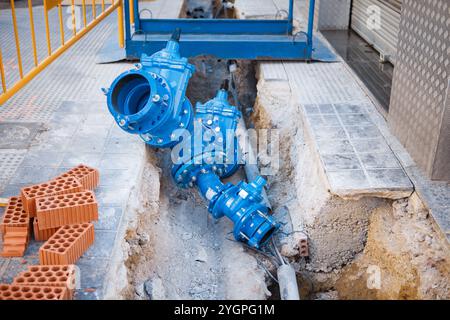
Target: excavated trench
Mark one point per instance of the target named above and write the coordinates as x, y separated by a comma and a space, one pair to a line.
173, 248
368, 248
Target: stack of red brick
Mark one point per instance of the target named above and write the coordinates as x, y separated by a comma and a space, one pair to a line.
42, 282
61, 212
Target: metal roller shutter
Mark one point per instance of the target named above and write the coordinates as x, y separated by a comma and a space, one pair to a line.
384, 37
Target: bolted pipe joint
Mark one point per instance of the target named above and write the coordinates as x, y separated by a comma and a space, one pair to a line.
151, 100
242, 204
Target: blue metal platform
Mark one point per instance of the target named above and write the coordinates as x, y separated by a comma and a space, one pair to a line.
227, 38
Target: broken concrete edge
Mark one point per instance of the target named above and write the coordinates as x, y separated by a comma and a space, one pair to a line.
418, 181
275, 91
415, 175
116, 279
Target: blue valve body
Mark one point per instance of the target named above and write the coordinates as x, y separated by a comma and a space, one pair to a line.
213, 144
150, 101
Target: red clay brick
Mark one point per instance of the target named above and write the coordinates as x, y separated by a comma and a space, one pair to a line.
64, 209
89, 177
53, 187
15, 215
67, 245
23, 292
304, 248
15, 241
49, 276
42, 235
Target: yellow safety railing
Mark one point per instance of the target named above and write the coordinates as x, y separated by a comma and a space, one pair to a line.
52, 55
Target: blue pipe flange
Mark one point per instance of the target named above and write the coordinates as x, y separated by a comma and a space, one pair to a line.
151, 100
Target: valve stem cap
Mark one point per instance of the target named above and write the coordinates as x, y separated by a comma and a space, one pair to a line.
176, 35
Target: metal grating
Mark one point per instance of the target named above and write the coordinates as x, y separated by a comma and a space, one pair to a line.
442, 160
420, 82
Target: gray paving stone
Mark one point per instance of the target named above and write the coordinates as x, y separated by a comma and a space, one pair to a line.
362, 132
80, 107
116, 161
33, 249
88, 144
116, 177
379, 160
93, 130
62, 129
67, 118
349, 108
12, 190
116, 132
52, 143
377, 145
103, 244
340, 162
92, 272
311, 109
334, 147
18, 135
99, 119
438, 194
326, 109
441, 215
15, 265
87, 295
32, 175
348, 180
109, 218
112, 196
329, 133
43, 157
124, 145
394, 178
71, 159
350, 119
3, 263
323, 120
10, 160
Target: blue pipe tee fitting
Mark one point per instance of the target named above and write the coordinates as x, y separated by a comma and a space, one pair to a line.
150, 101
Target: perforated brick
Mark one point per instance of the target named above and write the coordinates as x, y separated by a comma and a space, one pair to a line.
50, 276
42, 235
89, 177
304, 248
67, 245
15, 215
54, 187
64, 209
23, 292
15, 241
